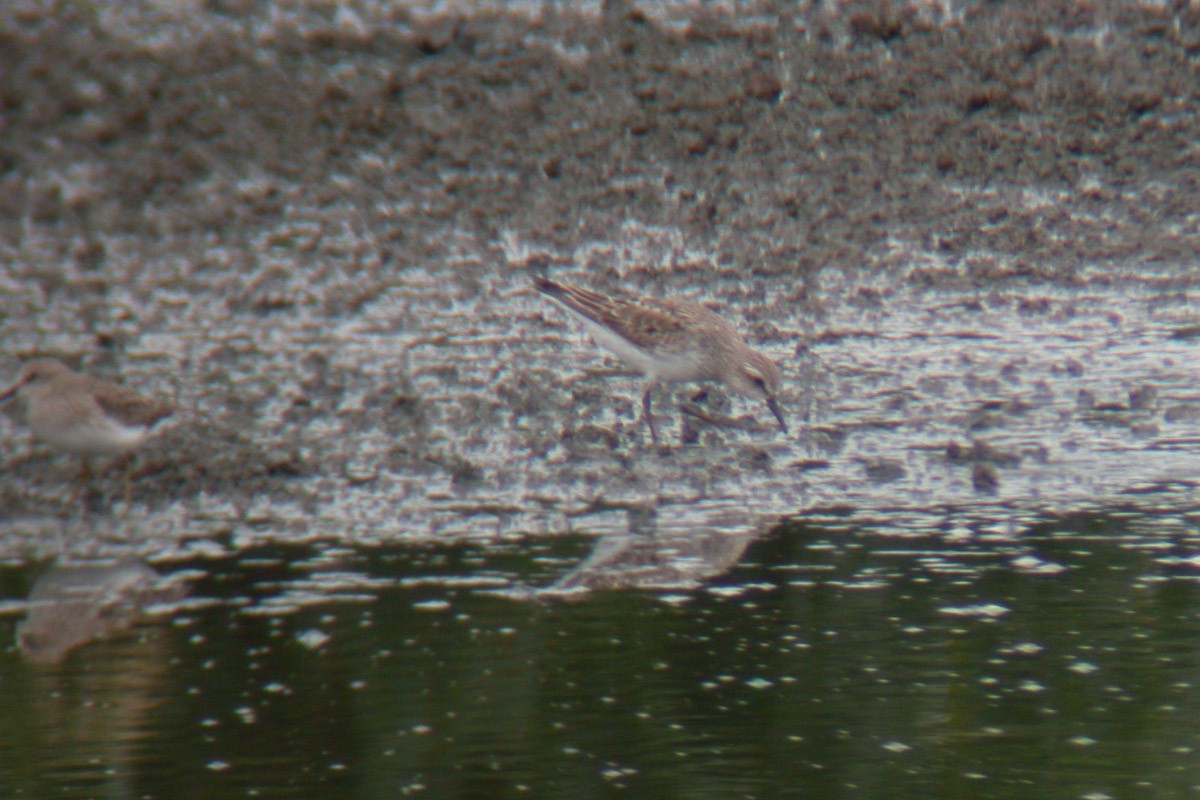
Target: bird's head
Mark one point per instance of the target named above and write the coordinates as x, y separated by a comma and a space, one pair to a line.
33, 374
758, 375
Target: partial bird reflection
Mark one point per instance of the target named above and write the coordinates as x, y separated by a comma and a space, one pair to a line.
658, 557
72, 604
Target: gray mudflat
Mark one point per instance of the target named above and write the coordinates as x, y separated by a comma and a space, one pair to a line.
968, 240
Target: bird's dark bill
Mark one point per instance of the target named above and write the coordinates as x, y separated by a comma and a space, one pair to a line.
774, 406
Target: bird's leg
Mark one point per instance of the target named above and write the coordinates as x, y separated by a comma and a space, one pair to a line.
646, 412
128, 481
85, 474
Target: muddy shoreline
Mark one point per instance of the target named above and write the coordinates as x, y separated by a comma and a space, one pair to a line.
312, 230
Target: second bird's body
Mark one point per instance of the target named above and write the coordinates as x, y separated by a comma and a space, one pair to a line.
82, 415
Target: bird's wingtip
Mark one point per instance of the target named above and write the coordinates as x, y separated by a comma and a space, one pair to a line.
544, 284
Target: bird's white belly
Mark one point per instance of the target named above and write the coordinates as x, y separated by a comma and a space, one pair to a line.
665, 365
97, 437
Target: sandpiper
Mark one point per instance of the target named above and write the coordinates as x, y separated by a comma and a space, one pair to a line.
83, 415
670, 340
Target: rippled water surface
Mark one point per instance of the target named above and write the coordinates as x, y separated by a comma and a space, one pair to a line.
833, 659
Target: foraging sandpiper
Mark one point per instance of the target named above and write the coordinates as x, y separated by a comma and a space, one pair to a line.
83, 415
670, 340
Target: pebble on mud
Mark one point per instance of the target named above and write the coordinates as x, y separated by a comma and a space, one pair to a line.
884, 470
985, 477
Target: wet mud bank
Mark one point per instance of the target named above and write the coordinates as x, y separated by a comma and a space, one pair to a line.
966, 236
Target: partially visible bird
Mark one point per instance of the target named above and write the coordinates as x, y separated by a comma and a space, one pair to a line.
84, 416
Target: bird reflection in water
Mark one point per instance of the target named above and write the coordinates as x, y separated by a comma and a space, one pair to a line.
657, 554
72, 604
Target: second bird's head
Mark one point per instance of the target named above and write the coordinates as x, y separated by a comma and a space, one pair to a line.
34, 374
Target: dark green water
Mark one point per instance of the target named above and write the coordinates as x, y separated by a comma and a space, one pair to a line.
1059, 661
